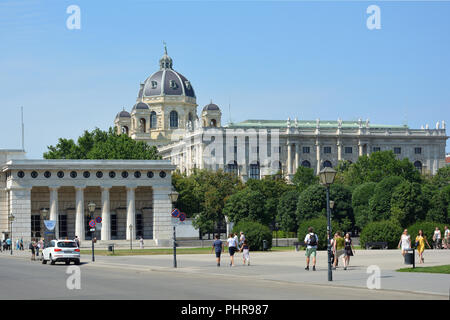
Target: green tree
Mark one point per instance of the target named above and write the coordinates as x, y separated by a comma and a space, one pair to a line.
203, 195
382, 231
255, 233
286, 211
360, 203
99, 145
311, 203
247, 204
377, 166
380, 203
407, 203
342, 211
440, 207
442, 177
304, 177
271, 187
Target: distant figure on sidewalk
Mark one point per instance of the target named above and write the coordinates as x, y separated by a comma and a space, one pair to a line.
38, 246
8, 244
17, 244
217, 247
21, 244
405, 242
141, 242
348, 250
77, 241
446, 239
338, 248
232, 247
311, 240
32, 247
420, 245
437, 238
242, 238
245, 249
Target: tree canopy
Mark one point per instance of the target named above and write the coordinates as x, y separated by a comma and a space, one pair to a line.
100, 145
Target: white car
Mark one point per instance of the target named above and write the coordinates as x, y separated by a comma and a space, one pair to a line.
61, 250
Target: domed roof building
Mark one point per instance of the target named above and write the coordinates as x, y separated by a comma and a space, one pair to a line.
165, 107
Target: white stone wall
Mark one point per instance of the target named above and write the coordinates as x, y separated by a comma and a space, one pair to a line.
20, 204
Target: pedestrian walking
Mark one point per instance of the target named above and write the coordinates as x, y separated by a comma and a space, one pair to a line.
18, 244
338, 248
446, 238
217, 247
241, 238
437, 238
348, 250
232, 247
420, 245
245, 249
311, 240
141, 242
405, 242
332, 253
8, 244
38, 247
32, 247
21, 244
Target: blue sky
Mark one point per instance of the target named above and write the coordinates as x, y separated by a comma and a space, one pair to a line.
267, 59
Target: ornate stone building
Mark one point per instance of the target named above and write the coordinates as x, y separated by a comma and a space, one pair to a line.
165, 115
131, 197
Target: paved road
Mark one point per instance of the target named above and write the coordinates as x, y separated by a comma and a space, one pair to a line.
277, 275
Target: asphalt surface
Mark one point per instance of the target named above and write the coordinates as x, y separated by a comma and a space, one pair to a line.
277, 275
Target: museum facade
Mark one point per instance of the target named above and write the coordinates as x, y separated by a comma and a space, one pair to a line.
165, 115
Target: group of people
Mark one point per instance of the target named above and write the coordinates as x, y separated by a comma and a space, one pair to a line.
234, 244
36, 246
6, 245
421, 240
339, 247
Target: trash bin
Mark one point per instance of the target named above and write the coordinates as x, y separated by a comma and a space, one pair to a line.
111, 248
409, 257
265, 247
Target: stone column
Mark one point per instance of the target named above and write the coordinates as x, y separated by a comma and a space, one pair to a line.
79, 213
20, 208
162, 219
318, 156
339, 147
289, 158
54, 210
131, 213
106, 215
297, 157
360, 148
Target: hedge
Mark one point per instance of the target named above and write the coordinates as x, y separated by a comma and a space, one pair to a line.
254, 233
428, 228
382, 231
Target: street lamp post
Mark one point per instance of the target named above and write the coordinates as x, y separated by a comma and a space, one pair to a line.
277, 225
173, 198
11, 220
91, 209
327, 176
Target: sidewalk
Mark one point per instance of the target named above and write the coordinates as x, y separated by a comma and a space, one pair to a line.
289, 267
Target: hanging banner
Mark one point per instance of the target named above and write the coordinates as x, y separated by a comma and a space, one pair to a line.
50, 224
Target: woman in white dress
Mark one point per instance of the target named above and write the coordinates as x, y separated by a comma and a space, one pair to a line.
405, 242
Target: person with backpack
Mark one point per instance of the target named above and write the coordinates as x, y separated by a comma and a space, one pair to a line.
311, 241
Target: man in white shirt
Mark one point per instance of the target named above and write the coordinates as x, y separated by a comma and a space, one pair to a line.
437, 238
311, 241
